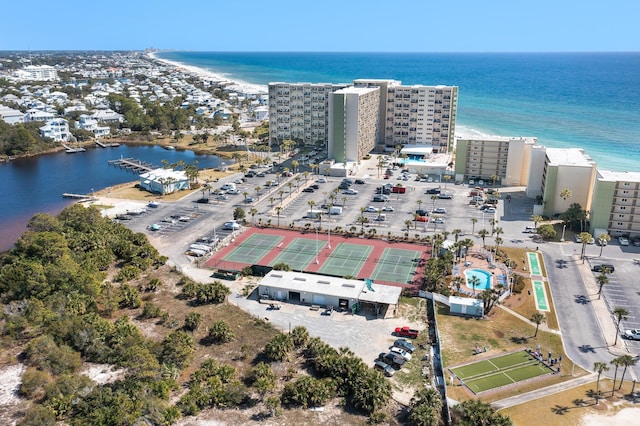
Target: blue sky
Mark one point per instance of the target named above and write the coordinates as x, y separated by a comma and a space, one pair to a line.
328, 25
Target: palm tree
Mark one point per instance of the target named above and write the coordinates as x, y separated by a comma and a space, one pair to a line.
493, 222
281, 193
257, 188
585, 237
536, 219
245, 194
419, 203
616, 362
599, 367
457, 282
311, 204
456, 233
620, 314
362, 220
380, 164
290, 185
602, 280
483, 234
565, 194
474, 281
305, 174
315, 167
278, 210
446, 178
271, 200
537, 318
294, 165
603, 239
494, 178
407, 223
297, 179
434, 198
498, 241
253, 212
626, 361
473, 225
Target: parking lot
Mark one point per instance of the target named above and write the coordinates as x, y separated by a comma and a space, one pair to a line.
622, 292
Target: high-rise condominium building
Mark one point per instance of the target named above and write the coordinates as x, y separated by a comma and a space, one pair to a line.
614, 211
407, 114
353, 123
300, 112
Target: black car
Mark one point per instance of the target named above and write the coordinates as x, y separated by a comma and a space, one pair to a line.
309, 189
422, 212
359, 182
315, 186
433, 191
202, 200
605, 267
344, 186
392, 359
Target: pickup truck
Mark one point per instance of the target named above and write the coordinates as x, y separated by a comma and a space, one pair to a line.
406, 332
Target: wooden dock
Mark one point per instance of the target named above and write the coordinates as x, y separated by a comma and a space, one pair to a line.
70, 150
100, 144
76, 196
131, 164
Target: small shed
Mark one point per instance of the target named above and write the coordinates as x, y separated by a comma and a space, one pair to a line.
466, 306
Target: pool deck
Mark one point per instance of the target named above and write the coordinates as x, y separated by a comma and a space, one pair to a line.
478, 258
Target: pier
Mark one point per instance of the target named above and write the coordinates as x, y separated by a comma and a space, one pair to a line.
136, 166
70, 150
100, 144
77, 196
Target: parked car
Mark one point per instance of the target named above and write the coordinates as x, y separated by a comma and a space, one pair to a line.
632, 334
202, 200
315, 186
321, 180
603, 267
421, 212
433, 191
399, 351
249, 200
387, 209
440, 210
350, 192
308, 189
445, 196
261, 174
440, 220
371, 209
222, 197
392, 359
623, 241
359, 182
385, 368
233, 192
406, 332
422, 218
602, 242
380, 198
231, 225
405, 344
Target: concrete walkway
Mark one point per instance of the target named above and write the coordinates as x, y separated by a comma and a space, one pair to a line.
546, 391
543, 326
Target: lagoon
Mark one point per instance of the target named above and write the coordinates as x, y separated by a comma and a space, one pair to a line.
36, 184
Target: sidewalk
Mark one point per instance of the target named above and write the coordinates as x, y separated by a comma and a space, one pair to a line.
541, 393
543, 326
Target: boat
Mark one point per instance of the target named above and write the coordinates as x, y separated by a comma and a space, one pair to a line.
170, 148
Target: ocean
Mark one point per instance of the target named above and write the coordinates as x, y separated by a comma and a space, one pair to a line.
566, 100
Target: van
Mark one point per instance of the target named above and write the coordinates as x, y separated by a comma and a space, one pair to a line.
335, 210
228, 186
530, 230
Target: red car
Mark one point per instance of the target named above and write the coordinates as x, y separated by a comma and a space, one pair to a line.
422, 218
407, 332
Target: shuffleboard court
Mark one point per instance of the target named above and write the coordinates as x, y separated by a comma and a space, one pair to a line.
540, 296
254, 248
396, 265
299, 253
346, 259
500, 371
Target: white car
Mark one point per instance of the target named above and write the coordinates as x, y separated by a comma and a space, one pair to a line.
623, 241
321, 180
387, 209
231, 226
371, 209
350, 192
440, 220
399, 351
632, 334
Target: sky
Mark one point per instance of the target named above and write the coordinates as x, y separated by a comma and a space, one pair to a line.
326, 26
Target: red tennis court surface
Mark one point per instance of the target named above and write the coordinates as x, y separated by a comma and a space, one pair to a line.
324, 254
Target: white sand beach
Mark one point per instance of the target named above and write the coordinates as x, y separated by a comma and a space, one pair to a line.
234, 85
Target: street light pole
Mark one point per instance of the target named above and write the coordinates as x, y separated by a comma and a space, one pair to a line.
317, 260
564, 227
329, 234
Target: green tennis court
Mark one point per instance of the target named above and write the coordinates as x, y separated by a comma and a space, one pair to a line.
299, 254
500, 371
396, 265
346, 259
253, 249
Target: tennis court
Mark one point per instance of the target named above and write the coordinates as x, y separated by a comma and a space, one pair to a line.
500, 371
253, 249
346, 259
299, 253
396, 265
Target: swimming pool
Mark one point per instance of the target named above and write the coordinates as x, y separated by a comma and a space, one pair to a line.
484, 278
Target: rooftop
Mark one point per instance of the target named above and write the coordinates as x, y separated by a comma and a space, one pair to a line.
608, 175
569, 157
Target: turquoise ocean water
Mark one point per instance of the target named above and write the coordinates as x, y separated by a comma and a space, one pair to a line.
582, 100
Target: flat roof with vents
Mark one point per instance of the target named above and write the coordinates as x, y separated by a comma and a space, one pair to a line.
332, 286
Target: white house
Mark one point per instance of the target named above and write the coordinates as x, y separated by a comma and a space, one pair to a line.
164, 181
86, 122
10, 115
38, 115
108, 116
56, 129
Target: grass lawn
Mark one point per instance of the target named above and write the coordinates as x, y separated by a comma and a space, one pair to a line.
502, 333
524, 303
569, 406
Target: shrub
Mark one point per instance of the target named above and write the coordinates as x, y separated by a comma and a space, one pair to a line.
150, 311
33, 383
220, 332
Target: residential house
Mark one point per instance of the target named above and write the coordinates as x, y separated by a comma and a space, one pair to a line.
56, 129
